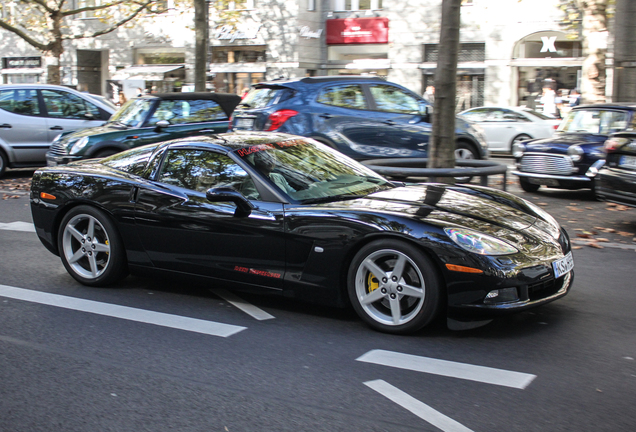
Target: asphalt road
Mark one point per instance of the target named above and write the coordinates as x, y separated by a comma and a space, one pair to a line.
158, 355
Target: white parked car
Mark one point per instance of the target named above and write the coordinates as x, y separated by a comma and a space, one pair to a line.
503, 126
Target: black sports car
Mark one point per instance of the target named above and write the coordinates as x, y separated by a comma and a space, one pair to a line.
286, 214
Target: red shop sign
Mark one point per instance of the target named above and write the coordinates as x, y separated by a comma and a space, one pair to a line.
357, 31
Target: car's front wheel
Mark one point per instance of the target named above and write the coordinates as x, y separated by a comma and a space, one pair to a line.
465, 151
527, 186
394, 287
91, 248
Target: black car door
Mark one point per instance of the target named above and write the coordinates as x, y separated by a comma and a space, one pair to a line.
182, 231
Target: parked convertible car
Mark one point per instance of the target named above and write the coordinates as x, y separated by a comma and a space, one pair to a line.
572, 158
284, 214
145, 120
363, 117
617, 179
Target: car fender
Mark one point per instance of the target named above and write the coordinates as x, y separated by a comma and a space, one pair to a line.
120, 146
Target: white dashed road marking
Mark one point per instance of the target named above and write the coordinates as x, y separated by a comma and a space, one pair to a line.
238, 302
418, 408
448, 368
17, 226
124, 312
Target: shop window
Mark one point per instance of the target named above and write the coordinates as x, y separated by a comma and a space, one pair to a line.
237, 55
353, 5
311, 5
469, 90
468, 52
163, 58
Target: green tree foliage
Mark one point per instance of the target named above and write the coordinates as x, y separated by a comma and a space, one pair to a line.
47, 24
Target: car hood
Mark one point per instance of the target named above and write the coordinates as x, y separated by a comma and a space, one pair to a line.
489, 211
559, 143
97, 130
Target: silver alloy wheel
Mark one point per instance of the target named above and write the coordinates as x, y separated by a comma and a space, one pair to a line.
464, 153
86, 246
390, 287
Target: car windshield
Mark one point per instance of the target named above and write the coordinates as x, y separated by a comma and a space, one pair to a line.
594, 121
132, 113
311, 172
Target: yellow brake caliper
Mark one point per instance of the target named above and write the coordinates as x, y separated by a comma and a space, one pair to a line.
372, 283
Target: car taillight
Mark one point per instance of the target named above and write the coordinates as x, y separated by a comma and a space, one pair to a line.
276, 119
556, 126
229, 126
613, 143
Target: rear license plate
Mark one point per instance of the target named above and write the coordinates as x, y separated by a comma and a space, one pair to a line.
244, 123
627, 162
543, 181
563, 266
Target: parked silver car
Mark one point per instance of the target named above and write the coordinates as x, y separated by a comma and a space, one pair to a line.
33, 115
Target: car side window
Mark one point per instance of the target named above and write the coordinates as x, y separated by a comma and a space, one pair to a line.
346, 96
187, 111
510, 115
200, 170
20, 101
477, 114
394, 99
61, 104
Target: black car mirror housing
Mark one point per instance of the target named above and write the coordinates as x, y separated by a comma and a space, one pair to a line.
224, 194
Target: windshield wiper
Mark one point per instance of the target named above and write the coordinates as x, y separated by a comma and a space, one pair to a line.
331, 199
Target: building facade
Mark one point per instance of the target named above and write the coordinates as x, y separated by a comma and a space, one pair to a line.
508, 50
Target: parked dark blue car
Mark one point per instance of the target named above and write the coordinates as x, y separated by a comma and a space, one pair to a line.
571, 159
362, 117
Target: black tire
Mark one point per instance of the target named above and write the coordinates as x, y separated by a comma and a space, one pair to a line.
90, 247
527, 186
3, 163
105, 153
593, 189
463, 150
397, 304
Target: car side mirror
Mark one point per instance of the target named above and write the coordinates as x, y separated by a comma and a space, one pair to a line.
224, 194
162, 124
89, 116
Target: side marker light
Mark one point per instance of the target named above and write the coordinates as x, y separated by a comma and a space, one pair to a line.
463, 269
48, 196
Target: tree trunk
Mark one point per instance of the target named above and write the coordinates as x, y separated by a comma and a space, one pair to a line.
201, 44
441, 151
595, 49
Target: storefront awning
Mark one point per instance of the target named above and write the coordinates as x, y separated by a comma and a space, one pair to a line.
146, 73
238, 67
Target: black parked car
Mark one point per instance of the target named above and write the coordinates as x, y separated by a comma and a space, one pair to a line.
617, 179
145, 120
571, 159
287, 215
362, 117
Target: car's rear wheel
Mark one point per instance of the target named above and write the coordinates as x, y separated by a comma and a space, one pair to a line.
527, 186
91, 248
3, 163
465, 151
394, 287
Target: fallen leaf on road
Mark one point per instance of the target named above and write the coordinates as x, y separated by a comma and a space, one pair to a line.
601, 239
584, 235
596, 245
542, 204
577, 247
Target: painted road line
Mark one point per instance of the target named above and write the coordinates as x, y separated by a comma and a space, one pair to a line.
418, 408
124, 312
238, 302
448, 368
17, 226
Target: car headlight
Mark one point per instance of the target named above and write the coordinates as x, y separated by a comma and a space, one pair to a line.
518, 149
78, 146
479, 243
575, 152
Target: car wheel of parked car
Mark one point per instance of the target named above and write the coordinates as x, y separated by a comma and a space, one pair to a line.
90, 247
393, 286
519, 138
3, 163
106, 153
527, 186
465, 151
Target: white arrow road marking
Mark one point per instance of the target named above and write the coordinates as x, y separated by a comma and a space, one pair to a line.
17, 226
124, 312
448, 368
246, 307
418, 408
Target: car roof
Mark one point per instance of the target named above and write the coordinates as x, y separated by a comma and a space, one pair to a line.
227, 101
294, 82
94, 98
231, 141
612, 105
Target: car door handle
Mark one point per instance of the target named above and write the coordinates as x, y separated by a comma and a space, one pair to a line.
6, 126
325, 116
57, 128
